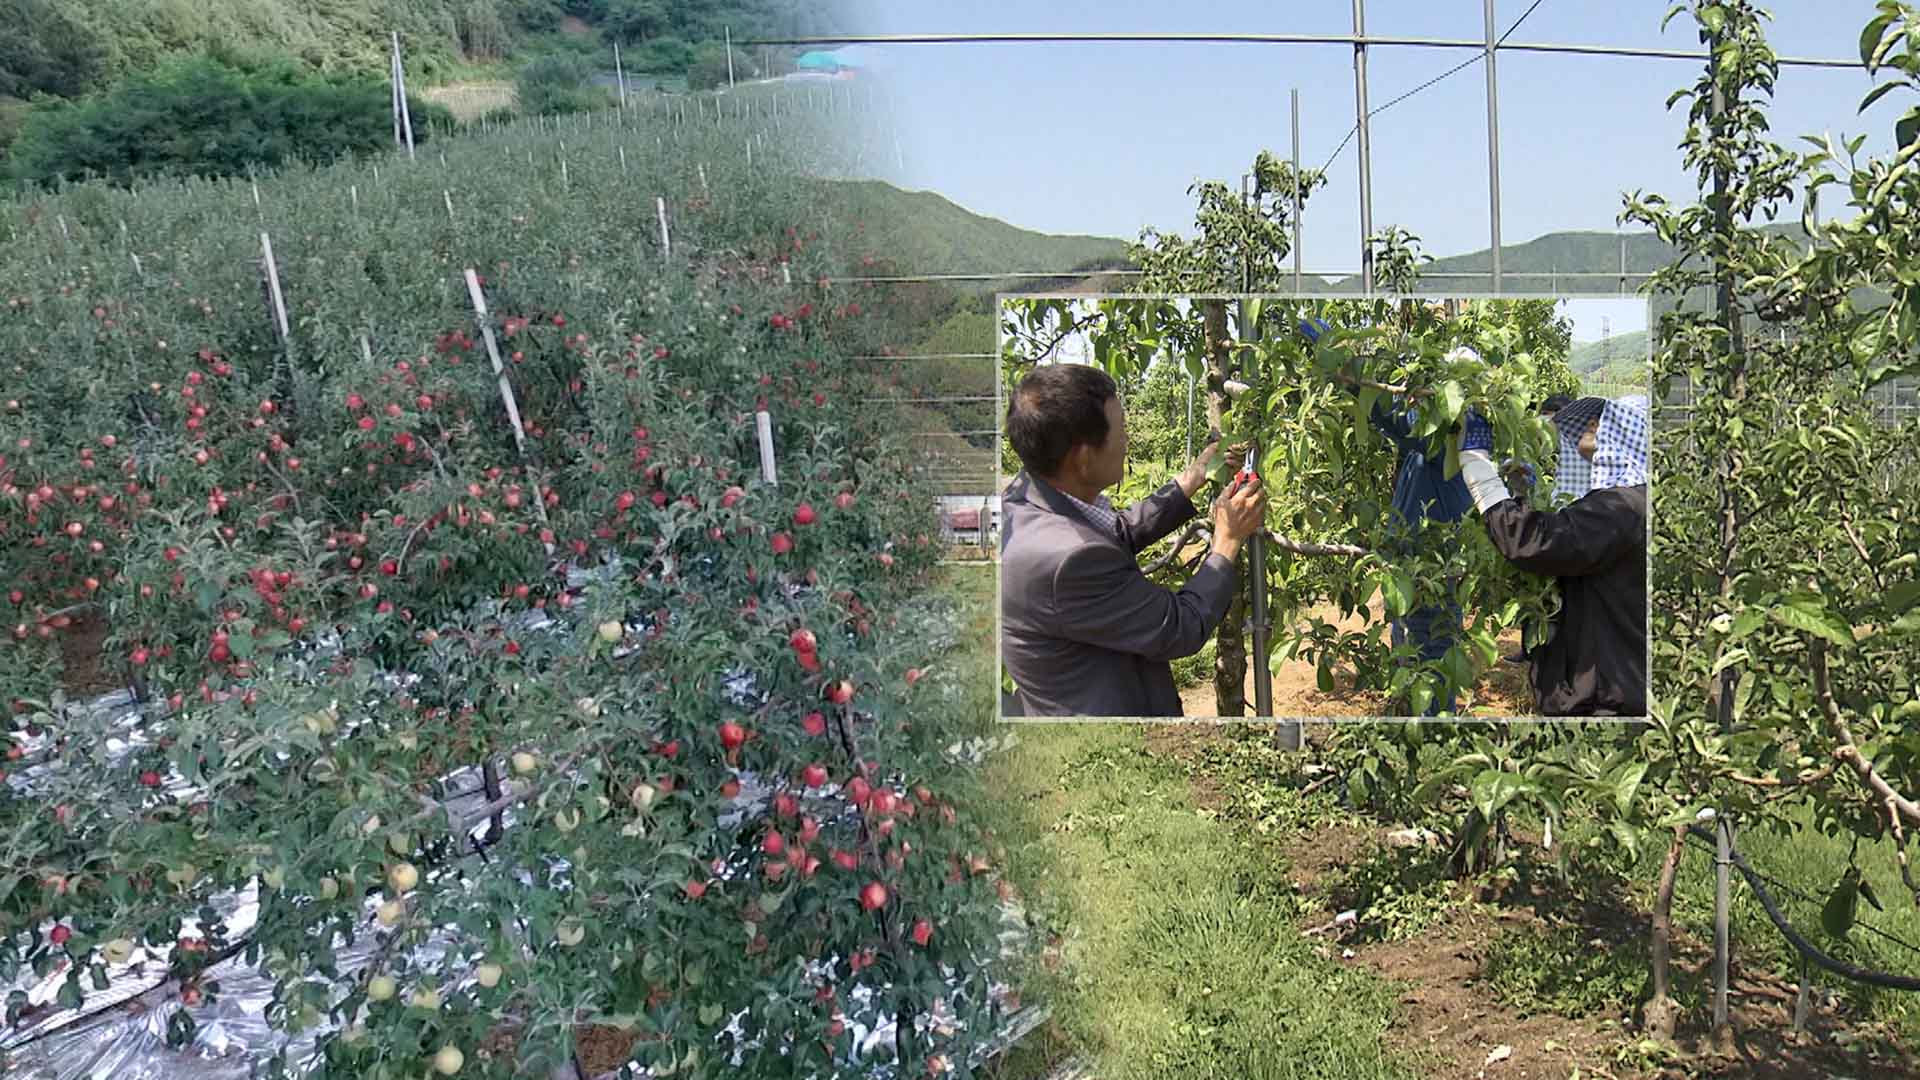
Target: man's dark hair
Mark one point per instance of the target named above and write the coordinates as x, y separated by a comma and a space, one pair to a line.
1556, 403
1058, 407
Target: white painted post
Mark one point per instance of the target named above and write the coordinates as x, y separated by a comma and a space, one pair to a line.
448, 196
273, 289
354, 191
620, 73
704, 192
729, 32
666, 240
564, 183
764, 423
406, 113
623, 161
499, 369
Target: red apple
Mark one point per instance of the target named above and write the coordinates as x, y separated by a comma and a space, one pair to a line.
873, 896
814, 775
803, 514
732, 735
814, 724
922, 932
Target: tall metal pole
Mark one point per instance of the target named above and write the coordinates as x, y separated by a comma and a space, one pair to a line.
1723, 699
1493, 144
1366, 144
1296, 191
729, 31
620, 74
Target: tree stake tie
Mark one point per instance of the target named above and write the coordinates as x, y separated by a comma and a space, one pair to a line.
764, 423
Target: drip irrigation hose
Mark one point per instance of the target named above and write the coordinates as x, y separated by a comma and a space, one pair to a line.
1806, 948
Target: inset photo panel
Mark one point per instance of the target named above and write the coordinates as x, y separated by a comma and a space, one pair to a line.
1309, 508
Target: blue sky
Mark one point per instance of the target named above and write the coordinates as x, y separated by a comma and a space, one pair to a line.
1106, 138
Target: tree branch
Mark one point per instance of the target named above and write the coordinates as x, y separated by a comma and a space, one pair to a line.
1848, 751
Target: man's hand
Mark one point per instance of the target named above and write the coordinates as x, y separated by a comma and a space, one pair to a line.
1196, 472
1240, 513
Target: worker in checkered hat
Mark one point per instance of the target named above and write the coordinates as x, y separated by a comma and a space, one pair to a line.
1594, 661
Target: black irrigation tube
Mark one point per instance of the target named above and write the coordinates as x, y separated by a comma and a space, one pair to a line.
1806, 948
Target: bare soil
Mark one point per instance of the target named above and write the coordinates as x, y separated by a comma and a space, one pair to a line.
1502, 691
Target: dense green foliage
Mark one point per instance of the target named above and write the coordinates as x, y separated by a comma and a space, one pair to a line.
266, 527
210, 116
557, 84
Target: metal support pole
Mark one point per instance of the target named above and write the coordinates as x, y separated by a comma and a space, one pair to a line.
1246, 250
1723, 831
1493, 144
729, 32
1257, 576
1296, 192
1189, 416
1365, 143
620, 74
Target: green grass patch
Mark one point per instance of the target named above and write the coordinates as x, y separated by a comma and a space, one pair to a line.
1564, 970
1182, 954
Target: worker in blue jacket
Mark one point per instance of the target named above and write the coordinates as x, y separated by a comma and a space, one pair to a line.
1422, 492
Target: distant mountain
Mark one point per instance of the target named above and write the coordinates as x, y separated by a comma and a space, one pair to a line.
1594, 355
921, 232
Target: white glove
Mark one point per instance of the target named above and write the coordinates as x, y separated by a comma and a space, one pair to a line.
1483, 480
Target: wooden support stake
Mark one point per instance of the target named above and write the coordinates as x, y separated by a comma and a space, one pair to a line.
273, 289
666, 239
764, 423
448, 196
506, 387
406, 113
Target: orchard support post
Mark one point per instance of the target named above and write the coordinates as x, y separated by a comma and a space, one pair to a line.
1257, 562
763, 424
400, 77
1365, 144
1493, 144
1230, 650
1296, 191
1726, 682
506, 389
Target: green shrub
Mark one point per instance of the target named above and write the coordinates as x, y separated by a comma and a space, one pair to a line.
1189, 671
210, 116
45, 52
557, 83
708, 68
665, 54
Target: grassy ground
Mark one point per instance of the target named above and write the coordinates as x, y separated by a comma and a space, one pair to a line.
1179, 954
1193, 874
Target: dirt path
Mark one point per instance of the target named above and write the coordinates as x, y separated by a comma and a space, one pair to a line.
1453, 1026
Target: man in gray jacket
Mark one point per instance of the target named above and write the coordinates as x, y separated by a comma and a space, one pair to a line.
1083, 632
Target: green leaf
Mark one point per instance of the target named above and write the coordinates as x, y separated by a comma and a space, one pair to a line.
1870, 36
1746, 623
1836, 915
1396, 588
1624, 783
1492, 790
1808, 614
1453, 401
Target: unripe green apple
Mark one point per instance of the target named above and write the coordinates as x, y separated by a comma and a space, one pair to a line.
390, 912
611, 631
489, 975
524, 763
403, 877
448, 1060
381, 988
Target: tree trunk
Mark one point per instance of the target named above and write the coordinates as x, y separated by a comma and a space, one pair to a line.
1230, 647
1658, 1017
